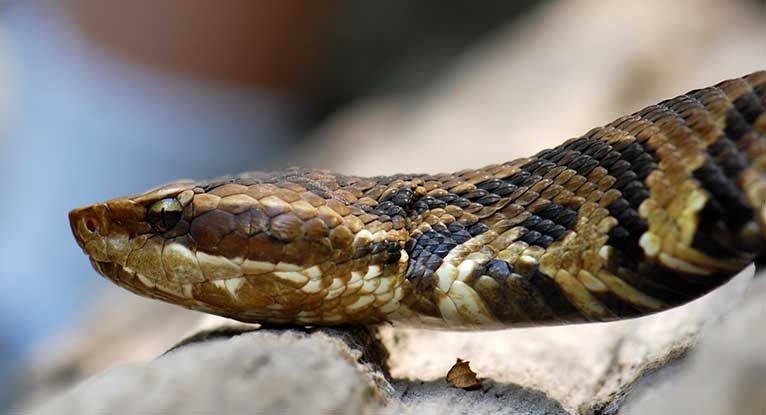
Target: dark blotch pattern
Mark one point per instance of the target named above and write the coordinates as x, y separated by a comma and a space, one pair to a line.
629, 163
427, 250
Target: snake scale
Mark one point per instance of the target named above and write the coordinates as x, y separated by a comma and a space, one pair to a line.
646, 213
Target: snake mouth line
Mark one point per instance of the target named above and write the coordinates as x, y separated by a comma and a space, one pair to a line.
124, 276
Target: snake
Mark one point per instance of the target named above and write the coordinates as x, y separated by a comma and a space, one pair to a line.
646, 213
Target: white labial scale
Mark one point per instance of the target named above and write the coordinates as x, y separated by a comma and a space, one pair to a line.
147, 259
169, 287
181, 264
233, 284
229, 285
118, 248
257, 267
216, 267
97, 249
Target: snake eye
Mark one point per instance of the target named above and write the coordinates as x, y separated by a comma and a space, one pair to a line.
164, 214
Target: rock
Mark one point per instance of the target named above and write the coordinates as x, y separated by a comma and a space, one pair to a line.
264, 371
234, 368
726, 373
437, 397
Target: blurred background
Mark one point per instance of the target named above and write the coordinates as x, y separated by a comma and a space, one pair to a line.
103, 98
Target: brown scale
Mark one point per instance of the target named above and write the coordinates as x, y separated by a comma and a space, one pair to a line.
646, 213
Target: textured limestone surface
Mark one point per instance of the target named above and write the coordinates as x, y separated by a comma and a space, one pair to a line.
265, 372
726, 374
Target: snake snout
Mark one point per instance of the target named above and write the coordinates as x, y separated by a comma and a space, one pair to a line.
87, 223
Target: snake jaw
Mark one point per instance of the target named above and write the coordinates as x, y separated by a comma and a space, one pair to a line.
110, 232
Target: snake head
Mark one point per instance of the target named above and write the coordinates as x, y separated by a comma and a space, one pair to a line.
124, 237
242, 248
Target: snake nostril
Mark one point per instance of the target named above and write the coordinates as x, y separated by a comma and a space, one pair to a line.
91, 224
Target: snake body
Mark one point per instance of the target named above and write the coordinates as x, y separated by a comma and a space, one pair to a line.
646, 213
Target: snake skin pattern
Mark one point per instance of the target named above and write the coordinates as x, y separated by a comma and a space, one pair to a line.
646, 213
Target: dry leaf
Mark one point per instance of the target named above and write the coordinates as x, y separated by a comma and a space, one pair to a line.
461, 376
